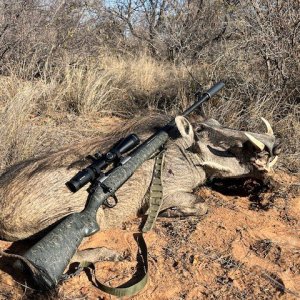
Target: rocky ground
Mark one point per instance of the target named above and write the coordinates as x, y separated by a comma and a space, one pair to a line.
246, 247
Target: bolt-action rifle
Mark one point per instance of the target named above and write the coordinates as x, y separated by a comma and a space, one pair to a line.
51, 255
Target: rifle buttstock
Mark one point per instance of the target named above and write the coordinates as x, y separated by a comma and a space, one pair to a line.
51, 255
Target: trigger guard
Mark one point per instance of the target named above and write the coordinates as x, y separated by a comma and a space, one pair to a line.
109, 204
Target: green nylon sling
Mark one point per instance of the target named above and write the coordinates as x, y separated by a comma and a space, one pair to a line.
155, 202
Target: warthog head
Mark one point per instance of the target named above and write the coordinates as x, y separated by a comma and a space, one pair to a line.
229, 153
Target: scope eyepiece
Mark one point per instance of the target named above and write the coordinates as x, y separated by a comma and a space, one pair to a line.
91, 172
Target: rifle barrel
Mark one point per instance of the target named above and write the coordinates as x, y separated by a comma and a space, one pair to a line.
207, 95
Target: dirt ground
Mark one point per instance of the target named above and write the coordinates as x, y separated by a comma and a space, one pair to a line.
246, 247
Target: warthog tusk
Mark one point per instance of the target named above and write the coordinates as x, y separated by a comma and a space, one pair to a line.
273, 162
255, 141
269, 128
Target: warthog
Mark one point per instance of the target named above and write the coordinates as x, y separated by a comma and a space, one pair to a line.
33, 194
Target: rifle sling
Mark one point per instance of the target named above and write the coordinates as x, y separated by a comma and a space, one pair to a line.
155, 202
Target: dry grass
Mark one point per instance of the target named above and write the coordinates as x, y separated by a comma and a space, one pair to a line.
126, 86
19, 100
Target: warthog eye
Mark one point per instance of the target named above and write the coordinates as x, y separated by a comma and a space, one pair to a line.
277, 149
199, 128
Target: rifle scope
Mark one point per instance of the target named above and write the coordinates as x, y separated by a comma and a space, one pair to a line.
94, 170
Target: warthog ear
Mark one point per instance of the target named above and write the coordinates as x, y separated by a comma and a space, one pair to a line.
186, 130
